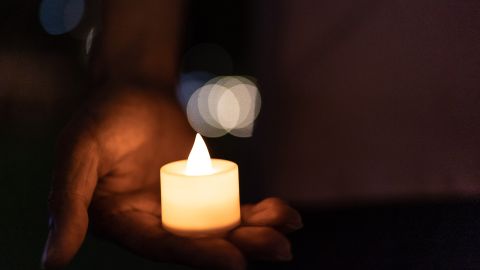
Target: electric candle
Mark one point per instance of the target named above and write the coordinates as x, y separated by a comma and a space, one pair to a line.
200, 196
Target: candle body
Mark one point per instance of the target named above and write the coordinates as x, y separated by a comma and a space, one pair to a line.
200, 205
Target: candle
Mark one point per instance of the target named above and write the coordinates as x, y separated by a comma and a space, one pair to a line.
200, 196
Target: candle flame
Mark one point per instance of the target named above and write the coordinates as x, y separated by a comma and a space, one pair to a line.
199, 162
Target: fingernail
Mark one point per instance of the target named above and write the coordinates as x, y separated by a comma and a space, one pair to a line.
283, 253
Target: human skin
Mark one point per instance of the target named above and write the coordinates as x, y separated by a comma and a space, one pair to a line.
106, 173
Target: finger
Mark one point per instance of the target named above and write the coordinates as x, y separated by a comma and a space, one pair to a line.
141, 233
74, 181
272, 212
261, 243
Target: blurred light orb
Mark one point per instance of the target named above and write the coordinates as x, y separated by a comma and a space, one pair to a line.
225, 104
228, 110
198, 122
189, 83
89, 40
60, 16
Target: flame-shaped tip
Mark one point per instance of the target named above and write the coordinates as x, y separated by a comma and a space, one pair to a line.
199, 162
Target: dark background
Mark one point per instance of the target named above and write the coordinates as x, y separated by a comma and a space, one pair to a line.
43, 81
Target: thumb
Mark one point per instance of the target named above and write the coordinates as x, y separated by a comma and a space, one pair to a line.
74, 181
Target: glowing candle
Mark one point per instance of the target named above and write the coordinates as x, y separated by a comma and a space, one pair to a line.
200, 196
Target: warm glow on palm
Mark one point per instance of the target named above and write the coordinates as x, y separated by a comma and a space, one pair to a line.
107, 176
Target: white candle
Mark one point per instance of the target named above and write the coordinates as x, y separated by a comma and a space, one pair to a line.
200, 196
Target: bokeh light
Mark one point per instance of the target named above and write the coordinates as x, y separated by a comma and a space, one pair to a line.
60, 16
189, 83
89, 40
197, 121
224, 104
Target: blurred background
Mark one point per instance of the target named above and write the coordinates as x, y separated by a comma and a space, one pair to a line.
44, 53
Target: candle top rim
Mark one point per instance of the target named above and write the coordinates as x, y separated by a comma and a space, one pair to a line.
220, 166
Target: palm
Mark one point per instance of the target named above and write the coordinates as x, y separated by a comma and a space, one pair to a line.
129, 137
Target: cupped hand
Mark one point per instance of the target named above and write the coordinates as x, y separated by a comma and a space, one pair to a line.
107, 176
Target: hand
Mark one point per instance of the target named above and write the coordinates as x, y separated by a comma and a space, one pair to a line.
107, 170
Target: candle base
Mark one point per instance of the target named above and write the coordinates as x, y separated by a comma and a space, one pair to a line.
217, 232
